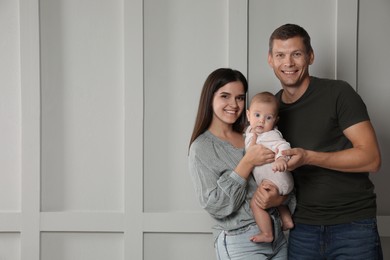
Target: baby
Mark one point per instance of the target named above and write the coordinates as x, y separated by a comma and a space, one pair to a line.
263, 116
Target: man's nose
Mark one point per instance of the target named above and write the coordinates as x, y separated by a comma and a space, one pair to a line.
289, 60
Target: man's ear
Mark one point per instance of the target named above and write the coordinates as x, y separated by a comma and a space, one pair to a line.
311, 58
270, 61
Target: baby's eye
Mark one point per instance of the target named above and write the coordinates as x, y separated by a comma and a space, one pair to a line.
269, 117
257, 115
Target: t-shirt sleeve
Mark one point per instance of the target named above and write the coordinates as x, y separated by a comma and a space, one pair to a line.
351, 108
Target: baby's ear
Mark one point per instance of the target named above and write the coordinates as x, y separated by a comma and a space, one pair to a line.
276, 120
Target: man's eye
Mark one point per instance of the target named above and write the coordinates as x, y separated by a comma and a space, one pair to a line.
297, 54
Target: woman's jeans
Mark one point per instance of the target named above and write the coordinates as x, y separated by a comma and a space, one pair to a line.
237, 245
358, 240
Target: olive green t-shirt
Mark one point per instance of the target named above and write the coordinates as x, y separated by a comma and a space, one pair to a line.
316, 122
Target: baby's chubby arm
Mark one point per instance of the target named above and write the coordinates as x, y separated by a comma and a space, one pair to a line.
280, 164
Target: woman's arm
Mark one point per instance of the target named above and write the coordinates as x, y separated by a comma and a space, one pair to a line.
255, 155
222, 193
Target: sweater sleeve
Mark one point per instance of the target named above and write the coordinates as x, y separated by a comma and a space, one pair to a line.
220, 190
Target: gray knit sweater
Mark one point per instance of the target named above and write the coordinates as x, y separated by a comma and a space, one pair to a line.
221, 192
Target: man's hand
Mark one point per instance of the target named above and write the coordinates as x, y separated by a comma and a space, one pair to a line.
297, 156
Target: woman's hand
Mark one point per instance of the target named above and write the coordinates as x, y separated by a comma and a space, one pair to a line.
258, 154
255, 155
267, 196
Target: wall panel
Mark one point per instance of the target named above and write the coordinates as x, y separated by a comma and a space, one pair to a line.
71, 246
181, 48
10, 246
373, 86
82, 105
10, 107
165, 246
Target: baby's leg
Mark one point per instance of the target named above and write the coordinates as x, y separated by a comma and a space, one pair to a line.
263, 221
285, 215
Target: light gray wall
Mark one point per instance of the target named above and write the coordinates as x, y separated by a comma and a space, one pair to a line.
98, 99
373, 86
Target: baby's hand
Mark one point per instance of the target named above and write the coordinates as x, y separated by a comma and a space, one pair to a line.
280, 165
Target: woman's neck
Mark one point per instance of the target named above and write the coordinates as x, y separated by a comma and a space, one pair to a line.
229, 135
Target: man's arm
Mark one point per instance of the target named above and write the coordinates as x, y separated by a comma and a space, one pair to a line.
364, 156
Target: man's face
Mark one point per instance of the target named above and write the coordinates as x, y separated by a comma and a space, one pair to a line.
290, 61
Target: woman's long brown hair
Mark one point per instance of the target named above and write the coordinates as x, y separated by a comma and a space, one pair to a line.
217, 79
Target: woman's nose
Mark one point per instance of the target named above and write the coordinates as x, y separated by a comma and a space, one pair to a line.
233, 102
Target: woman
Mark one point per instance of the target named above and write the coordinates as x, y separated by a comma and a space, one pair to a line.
221, 172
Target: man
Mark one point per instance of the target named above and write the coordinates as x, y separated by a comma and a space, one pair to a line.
335, 149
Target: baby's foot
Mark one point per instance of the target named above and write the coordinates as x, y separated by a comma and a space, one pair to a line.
287, 225
262, 238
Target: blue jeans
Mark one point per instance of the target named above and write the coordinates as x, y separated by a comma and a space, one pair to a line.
236, 245
356, 240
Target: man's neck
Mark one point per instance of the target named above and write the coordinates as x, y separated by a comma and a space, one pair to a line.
293, 93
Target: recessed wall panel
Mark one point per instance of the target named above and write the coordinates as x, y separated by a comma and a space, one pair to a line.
181, 47
10, 107
373, 86
178, 246
82, 105
10, 246
85, 246
386, 247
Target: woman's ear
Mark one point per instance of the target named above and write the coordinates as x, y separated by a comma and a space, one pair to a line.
270, 61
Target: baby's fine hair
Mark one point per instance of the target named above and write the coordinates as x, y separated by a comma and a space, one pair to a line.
265, 97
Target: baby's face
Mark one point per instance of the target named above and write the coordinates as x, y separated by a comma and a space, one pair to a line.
262, 117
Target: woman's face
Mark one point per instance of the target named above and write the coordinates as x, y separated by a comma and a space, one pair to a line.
228, 103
